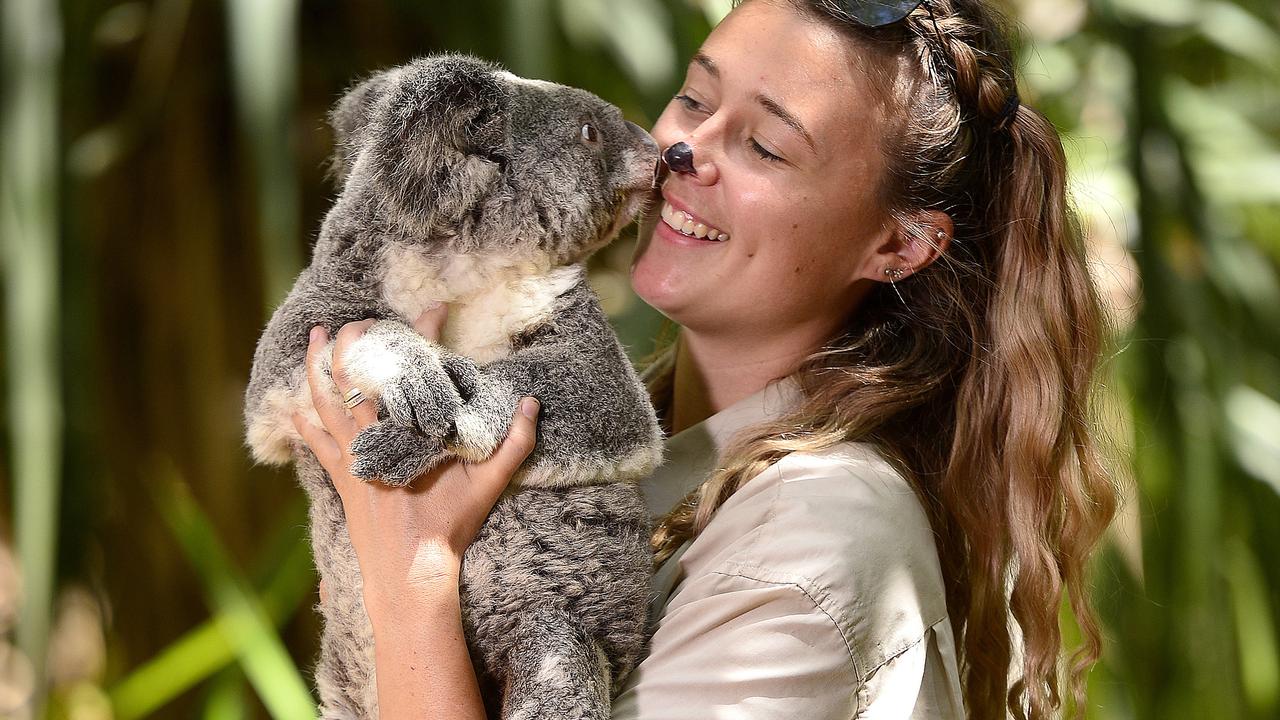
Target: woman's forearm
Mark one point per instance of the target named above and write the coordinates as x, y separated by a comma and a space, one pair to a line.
423, 667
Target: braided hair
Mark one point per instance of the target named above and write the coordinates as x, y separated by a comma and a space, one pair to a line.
977, 381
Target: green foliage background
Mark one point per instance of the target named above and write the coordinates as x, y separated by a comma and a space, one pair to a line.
161, 179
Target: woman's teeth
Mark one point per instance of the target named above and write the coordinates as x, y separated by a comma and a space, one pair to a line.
682, 222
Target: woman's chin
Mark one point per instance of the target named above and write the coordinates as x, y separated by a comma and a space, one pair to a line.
659, 285
675, 282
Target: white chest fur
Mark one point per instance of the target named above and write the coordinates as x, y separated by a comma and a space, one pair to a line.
490, 299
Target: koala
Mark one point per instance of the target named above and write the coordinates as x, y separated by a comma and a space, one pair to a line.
461, 183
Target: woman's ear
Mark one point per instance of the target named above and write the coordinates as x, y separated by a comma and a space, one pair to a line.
910, 247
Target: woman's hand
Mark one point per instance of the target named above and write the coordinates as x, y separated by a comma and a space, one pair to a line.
409, 541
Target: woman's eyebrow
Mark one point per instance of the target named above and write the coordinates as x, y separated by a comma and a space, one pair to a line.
773, 107
707, 64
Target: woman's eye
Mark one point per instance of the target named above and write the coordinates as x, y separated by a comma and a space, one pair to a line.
765, 154
689, 103
589, 133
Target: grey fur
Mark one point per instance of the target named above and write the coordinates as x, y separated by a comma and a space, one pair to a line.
464, 184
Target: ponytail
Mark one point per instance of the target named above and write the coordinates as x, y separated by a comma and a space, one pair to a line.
1031, 395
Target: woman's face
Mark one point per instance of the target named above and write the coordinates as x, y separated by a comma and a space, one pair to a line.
785, 133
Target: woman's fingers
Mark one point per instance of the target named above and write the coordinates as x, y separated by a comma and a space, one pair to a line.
321, 443
365, 412
335, 419
523, 435
430, 324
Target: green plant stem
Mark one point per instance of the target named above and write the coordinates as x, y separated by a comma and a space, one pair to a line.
29, 222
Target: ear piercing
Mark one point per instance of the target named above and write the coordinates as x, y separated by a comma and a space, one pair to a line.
895, 274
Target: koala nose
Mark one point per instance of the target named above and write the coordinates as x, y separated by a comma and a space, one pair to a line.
643, 135
679, 158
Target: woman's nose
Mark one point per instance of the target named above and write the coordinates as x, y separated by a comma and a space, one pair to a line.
679, 158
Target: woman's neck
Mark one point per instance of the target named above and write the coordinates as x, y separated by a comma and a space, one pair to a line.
713, 373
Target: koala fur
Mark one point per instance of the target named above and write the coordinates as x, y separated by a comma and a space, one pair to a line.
464, 184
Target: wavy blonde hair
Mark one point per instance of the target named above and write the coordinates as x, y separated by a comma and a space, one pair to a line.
977, 381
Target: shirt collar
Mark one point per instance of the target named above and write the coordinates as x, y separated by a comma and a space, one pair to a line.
693, 453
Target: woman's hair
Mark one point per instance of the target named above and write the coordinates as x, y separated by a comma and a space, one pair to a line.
976, 382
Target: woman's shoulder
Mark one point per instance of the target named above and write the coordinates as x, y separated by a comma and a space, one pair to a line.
848, 530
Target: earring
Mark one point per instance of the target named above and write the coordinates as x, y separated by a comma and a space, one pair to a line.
895, 274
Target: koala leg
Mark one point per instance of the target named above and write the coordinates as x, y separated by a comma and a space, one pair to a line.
555, 671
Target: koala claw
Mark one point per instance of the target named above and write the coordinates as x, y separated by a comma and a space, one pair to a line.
424, 399
393, 454
408, 375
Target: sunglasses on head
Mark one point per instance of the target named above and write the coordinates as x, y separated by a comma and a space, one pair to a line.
878, 13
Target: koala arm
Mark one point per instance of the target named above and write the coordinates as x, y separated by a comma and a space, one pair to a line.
595, 420
424, 386
329, 295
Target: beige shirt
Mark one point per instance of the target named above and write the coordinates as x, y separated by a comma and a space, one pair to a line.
815, 591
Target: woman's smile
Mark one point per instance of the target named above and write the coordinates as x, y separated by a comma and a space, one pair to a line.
691, 224
791, 236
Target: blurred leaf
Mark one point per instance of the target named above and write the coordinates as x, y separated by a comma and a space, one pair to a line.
1165, 12
162, 28
637, 32
1239, 32
1259, 656
1255, 432
30, 58
1234, 160
207, 649
528, 38
241, 616
226, 699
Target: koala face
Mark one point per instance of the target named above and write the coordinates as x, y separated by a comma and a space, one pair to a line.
459, 154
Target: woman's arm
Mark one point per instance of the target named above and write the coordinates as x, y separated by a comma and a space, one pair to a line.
421, 657
410, 542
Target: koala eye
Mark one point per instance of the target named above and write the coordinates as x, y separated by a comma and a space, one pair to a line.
589, 133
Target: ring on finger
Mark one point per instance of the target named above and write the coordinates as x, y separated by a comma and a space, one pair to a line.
353, 398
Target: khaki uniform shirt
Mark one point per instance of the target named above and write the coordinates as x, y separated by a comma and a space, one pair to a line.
815, 592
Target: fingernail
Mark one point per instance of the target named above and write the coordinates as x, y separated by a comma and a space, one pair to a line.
529, 406
317, 334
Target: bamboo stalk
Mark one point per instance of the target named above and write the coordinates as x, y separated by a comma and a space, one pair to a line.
264, 63
32, 51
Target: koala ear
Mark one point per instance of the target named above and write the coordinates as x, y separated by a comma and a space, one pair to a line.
441, 137
348, 118
451, 102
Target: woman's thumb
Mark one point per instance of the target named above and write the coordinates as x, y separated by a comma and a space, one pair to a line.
521, 438
430, 324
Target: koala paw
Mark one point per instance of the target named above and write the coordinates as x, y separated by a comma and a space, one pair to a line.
393, 453
425, 399
407, 374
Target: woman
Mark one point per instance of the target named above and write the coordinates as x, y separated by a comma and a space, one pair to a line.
878, 401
